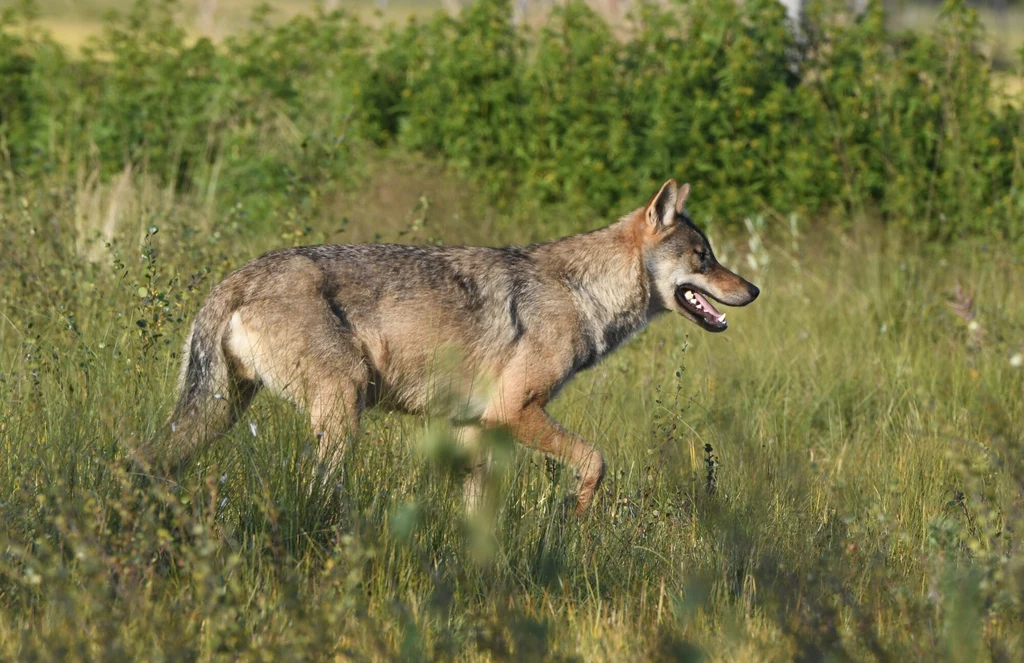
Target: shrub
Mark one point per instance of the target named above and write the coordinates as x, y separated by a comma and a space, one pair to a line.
848, 117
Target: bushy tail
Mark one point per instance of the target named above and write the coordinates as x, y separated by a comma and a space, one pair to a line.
204, 367
204, 406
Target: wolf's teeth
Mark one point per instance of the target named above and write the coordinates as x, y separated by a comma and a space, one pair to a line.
689, 296
721, 318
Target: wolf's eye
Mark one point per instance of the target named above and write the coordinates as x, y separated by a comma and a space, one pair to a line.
701, 253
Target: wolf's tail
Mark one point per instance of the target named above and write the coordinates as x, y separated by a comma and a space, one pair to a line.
204, 371
206, 398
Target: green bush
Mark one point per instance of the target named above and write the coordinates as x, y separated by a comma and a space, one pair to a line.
849, 117
462, 97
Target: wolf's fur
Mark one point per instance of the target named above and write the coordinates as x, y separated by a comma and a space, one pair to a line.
338, 328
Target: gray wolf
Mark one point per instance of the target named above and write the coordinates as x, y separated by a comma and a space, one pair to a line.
340, 328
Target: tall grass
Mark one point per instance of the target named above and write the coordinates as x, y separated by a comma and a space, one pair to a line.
839, 474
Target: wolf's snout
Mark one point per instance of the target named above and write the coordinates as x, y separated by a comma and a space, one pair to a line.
745, 293
732, 289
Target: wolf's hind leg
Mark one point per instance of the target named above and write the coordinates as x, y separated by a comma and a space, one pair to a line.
301, 349
334, 407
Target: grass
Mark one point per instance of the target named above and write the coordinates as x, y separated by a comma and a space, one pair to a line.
838, 474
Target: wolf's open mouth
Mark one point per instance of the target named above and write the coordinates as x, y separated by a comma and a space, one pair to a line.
698, 305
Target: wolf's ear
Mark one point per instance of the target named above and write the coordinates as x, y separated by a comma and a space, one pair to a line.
684, 192
661, 211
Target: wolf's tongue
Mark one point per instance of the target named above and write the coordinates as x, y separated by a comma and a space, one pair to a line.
715, 315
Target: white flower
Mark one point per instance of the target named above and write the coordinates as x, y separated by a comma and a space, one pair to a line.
1017, 360
973, 326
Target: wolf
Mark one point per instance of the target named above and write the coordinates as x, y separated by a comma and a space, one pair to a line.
337, 329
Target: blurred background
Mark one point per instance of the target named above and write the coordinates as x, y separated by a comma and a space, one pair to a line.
72, 21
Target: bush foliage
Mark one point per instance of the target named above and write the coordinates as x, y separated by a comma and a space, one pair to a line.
848, 117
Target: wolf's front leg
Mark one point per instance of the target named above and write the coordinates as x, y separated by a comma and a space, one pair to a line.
534, 428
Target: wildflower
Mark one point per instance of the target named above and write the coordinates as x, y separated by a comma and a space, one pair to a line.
1017, 360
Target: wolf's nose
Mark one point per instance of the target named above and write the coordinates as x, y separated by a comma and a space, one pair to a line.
753, 290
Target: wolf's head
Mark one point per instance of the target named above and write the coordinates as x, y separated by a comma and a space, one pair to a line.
683, 270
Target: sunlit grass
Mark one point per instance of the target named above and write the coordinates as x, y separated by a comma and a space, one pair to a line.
841, 470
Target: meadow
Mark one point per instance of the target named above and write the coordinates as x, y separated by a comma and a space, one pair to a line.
840, 476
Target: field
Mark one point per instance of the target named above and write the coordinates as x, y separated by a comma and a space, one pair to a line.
840, 476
